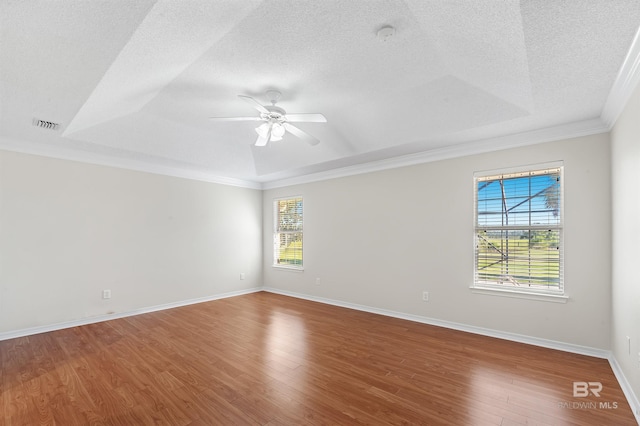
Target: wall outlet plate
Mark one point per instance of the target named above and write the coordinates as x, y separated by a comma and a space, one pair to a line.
106, 294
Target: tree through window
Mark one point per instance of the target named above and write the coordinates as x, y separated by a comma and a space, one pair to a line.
519, 230
287, 235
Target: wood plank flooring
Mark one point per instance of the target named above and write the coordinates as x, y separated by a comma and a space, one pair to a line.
266, 359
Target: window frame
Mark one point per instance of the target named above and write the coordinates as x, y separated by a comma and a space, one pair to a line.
547, 294
277, 232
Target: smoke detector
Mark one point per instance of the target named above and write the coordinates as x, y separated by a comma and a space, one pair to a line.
385, 33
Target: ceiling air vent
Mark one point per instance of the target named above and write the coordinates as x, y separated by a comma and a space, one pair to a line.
45, 124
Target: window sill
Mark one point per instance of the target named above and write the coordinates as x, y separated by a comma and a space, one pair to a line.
289, 268
555, 298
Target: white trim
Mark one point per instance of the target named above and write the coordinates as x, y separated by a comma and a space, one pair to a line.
549, 134
551, 344
545, 343
504, 292
626, 387
91, 320
558, 164
55, 151
535, 341
291, 267
626, 82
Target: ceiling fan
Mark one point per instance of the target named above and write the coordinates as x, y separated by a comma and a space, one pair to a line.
276, 121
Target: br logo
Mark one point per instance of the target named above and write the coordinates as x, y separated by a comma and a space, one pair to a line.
583, 389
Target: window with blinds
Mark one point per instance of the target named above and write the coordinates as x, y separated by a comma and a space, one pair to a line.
287, 234
518, 231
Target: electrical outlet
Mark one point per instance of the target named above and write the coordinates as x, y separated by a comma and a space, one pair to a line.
425, 296
629, 344
242, 275
106, 294
317, 281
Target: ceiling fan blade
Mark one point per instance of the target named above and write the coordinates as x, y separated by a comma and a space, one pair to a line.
309, 118
254, 103
262, 141
235, 118
302, 135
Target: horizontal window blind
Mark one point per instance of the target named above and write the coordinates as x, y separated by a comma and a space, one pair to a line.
288, 232
519, 230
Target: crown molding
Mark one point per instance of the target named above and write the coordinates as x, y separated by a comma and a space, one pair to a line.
549, 134
624, 85
62, 153
627, 79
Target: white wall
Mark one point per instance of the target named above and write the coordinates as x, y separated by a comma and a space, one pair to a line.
69, 230
380, 239
625, 160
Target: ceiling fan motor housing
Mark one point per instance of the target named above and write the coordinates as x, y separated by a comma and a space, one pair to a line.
273, 96
276, 122
275, 114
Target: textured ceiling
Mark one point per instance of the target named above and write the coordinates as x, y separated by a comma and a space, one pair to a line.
132, 83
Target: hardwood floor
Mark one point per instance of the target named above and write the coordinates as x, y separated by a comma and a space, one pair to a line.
266, 359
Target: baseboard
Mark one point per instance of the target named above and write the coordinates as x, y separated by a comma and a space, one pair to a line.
91, 320
551, 344
626, 387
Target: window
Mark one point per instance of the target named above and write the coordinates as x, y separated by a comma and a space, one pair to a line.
518, 231
287, 232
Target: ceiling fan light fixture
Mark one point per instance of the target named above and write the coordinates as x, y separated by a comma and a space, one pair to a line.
277, 131
263, 129
275, 121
